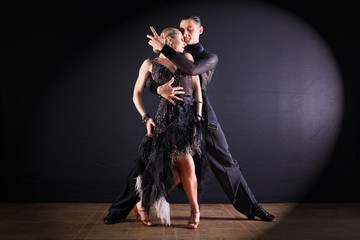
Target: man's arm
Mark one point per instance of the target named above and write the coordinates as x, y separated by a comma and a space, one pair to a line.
205, 63
195, 80
152, 85
166, 90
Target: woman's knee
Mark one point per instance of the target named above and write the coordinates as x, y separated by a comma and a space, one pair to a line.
186, 165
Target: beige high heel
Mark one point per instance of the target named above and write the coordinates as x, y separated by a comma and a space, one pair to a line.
193, 225
147, 223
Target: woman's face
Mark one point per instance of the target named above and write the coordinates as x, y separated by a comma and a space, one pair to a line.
177, 42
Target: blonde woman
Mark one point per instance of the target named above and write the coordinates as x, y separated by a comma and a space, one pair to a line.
171, 152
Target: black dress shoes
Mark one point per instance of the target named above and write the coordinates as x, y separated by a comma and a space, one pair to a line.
112, 219
262, 214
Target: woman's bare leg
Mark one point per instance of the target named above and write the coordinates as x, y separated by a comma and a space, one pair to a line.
176, 175
186, 169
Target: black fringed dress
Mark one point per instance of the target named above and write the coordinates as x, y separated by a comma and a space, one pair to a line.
178, 132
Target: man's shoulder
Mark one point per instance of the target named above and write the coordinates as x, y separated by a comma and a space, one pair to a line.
208, 54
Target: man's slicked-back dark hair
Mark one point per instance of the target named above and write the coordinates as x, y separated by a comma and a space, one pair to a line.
193, 17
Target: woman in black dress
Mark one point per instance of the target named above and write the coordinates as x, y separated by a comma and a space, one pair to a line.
172, 153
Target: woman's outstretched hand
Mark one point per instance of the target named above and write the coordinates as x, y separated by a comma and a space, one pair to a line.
156, 41
149, 126
169, 93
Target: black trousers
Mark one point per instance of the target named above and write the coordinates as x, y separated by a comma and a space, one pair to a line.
225, 168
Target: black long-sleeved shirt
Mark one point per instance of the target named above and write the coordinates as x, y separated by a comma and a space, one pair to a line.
203, 65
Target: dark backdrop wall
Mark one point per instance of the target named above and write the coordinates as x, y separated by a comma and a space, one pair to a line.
285, 92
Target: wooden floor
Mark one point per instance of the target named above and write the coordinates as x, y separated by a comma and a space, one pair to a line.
38, 221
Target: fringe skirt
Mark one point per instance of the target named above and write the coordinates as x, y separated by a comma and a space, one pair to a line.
183, 135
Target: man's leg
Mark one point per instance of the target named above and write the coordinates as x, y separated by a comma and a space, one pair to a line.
228, 173
123, 205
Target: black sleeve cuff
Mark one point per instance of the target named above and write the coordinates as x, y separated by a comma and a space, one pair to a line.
152, 85
168, 51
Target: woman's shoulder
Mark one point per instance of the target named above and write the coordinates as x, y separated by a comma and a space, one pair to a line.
188, 56
147, 64
148, 61
151, 60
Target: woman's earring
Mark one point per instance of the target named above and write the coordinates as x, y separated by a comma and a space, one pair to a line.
170, 44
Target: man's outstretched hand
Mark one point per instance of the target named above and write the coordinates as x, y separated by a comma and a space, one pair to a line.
168, 92
156, 41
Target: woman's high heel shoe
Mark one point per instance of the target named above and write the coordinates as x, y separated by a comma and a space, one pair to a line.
147, 223
193, 225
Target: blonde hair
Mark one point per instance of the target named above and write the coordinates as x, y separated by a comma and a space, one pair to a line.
168, 32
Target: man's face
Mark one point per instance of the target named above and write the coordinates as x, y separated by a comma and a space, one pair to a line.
191, 31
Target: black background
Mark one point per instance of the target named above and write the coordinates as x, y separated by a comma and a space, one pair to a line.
50, 152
